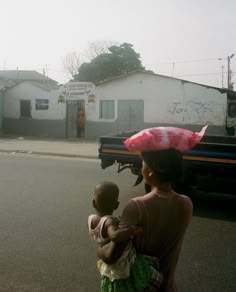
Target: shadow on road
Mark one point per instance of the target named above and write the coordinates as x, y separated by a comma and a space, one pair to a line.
215, 206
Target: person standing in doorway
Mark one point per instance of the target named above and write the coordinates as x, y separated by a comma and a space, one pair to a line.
80, 121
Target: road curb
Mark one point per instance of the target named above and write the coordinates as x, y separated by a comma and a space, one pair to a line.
50, 153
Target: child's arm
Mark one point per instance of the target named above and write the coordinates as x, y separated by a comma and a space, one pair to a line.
110, 252
118, 234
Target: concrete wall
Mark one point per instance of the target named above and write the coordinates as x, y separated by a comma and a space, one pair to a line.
167, 101
94, 130
1, 109
49, 122
28, 91
33, 127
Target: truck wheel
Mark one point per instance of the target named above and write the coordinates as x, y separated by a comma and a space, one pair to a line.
147, 188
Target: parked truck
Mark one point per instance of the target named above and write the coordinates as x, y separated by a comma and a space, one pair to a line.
210, 166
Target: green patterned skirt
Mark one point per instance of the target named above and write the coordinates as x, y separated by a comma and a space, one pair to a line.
144, 276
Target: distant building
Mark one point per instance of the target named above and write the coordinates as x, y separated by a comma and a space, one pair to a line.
143, 99
131, 102
36, 106
18, 76
30, 104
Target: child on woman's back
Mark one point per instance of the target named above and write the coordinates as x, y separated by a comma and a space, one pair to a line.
125, 270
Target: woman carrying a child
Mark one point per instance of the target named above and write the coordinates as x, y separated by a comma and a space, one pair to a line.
163, 214
122, 269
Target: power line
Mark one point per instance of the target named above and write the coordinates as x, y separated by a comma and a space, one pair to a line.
34, 68
202, 74
147, 64
186, 61
64, 71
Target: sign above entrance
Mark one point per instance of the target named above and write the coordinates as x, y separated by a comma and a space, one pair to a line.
79, 90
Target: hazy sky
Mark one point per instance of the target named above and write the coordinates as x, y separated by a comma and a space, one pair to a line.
36, 34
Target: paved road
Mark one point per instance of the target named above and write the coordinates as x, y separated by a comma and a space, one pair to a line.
44, 204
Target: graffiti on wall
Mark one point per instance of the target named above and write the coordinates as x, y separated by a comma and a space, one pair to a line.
193, 112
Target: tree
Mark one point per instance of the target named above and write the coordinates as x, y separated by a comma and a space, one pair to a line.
72, 63
117, 61
73, 60
97, 48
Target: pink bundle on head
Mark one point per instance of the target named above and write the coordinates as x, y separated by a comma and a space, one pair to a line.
161, 138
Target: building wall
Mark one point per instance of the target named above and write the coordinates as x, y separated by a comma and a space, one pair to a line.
160, 101
43, 128
49, 122
167, 101
1, 110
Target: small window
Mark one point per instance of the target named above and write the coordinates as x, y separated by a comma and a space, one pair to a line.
25, 109
106, 109
41, 104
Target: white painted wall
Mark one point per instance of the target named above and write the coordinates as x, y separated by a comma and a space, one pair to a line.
166, 100
29, 91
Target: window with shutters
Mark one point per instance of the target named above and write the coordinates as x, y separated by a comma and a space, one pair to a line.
106, 109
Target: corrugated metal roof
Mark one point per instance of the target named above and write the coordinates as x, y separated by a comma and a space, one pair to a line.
154, 74
45, 86
25, 75
5, 82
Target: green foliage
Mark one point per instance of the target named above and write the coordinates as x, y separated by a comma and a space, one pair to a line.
118, 61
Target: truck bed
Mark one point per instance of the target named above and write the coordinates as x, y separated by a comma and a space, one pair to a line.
211, 164
221, 148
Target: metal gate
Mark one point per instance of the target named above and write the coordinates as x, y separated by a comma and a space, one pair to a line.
72, 109
130, 115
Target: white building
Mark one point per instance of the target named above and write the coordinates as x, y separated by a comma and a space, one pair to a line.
10, 78
45, 109
31, 108
142, 99
131, 102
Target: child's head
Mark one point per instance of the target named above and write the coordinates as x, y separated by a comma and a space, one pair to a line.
162, 165
105, 198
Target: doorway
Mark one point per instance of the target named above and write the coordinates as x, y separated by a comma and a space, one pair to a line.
75, 118
80, 118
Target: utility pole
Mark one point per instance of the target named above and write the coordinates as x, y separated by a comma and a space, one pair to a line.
173, 67
222, 67
230, 84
